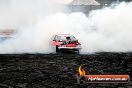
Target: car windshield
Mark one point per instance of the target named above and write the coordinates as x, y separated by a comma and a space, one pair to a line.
66, 37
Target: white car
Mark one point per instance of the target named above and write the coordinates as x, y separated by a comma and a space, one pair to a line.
65, 42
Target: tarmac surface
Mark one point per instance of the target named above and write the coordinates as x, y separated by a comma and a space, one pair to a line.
59, 70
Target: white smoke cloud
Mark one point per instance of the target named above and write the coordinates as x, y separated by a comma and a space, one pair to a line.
108, 29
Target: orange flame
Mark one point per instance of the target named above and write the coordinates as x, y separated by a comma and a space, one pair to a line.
81, 71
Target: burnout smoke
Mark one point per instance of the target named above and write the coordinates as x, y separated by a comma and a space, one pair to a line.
35, 21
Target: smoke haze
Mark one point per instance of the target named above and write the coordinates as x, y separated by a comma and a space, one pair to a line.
105, 30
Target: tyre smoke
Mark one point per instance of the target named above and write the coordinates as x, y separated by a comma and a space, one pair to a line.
105, 30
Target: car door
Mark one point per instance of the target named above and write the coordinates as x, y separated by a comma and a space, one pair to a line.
54, 40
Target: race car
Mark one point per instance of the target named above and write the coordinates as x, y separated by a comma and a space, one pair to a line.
65, 42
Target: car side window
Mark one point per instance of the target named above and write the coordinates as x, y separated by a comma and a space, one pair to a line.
53, 37
56, 37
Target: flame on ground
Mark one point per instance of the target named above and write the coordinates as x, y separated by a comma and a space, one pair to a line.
81, 71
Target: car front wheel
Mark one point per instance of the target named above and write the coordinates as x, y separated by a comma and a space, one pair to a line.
78, 51
57, 49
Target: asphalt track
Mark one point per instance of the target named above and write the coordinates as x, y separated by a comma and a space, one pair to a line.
59, 70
